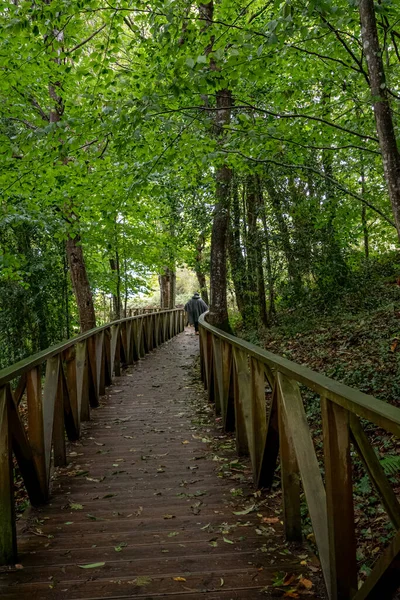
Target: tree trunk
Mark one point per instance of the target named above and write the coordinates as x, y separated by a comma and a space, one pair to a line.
167, 282
218, 315
199, 269
364, 214
252, 311
114, 264
236, 258
80, 283
380, 102
293, 272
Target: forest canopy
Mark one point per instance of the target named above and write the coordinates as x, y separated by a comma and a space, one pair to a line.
254, 142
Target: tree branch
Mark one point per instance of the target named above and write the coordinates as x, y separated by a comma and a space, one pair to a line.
339, 185
87, 39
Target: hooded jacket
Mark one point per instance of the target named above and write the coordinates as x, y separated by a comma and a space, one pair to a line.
194, 308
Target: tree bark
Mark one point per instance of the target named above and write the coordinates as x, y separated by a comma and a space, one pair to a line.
236, 258
380, 102
199, 269
293, 271
167, 282
218, 314
80, 283
114, 264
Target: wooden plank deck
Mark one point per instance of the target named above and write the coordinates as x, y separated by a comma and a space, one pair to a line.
142, 494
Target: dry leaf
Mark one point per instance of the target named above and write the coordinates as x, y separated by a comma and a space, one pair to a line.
306, 583
179, 579
270, 520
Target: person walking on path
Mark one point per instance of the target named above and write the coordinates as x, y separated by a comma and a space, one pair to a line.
194, 308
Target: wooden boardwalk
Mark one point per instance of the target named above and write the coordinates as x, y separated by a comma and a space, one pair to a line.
143, 499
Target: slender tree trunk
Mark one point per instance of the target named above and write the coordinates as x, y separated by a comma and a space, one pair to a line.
364, 213
293, 273
380, 102
199, 269
256, 303
268, 262
115, 268
236, 258
167, 282
80, 283
218, 315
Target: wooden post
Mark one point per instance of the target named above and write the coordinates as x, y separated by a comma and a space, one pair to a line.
290, 478
259, 414
59, 453
50, 393
8, 536
36, 425
82, 381
92, 372
70, 375
296, 426
271, 448
108, 372
339, 499
241, 387
100, 363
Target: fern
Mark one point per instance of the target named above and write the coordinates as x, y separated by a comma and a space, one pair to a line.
391, 464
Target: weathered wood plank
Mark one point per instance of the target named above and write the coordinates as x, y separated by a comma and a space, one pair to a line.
100, 363
92, 372
23, 453
375, 471
339, 498
271, 446
82, 383
59, 451
290, 477
8, 536
314, 490
70, 394
218, 376
36, 425
259, 414
242, 396
50, 390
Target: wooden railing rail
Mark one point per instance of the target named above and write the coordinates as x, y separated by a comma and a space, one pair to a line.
267, 425
57, 388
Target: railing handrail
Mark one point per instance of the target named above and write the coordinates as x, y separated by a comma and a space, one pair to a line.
19, 368
365, 405
272, 423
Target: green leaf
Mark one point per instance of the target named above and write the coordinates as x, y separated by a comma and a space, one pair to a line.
92, 565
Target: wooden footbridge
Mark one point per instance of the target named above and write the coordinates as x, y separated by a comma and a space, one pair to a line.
135, 493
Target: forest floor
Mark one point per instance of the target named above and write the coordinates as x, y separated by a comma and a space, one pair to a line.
361, 350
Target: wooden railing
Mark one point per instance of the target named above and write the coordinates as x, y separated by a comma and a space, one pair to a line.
238, 376
57, 388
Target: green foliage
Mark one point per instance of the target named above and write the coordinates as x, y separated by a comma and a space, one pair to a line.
391, 464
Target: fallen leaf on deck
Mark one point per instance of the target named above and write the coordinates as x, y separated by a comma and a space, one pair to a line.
142, 580
270, 520
246, 511
306, 583
92, 565
179, 578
